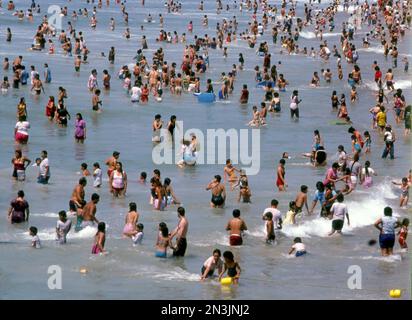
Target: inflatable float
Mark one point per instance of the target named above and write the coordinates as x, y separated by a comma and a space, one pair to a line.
205, 97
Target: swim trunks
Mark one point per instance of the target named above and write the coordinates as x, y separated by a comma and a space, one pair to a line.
235, 240
337, 225
300, 253
180, 249
386, 241
160, 254
217, 200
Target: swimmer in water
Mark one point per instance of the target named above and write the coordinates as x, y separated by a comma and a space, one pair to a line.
280, 181
218, 192
404, 186
298, 247
231, 267
236, 226
131, 219
99, 239
230, 174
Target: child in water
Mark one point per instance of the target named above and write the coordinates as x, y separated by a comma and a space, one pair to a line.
404, 186
299, 247
63, 227
291, 214
270, 230
137, 239
231, 267
403, 233
97, 175
35, 240
99, 239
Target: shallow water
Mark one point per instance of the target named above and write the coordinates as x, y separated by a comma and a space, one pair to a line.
133, 272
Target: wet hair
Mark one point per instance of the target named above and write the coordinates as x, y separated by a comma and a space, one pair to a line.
167, 181
96, 164
165, 231
143, 175
79, 115
84, 165
62, 214
269, 215
405, 222
236, 213
132, 206
162, 225
297, 240
228, 255
95, 197
156, 172
282, 161
83, 181
387, 211
292, 204
218, 178
304, 188
335, 165
274, 202
158, 116
181, 211
116, 153
319, 186
140, 226
20, 193
33, 230
218, 252
101, 227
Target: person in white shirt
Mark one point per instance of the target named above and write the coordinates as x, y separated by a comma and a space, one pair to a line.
97, 175
298, 247
211, 264
44, 169
136, 91
35, 241
63, 227
138, 237
366, 175
339, 211
277, 215
21, 130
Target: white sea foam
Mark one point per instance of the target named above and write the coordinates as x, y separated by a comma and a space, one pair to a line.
45, 215
307, 34
50, 234
372, 49
171, 274
362, 213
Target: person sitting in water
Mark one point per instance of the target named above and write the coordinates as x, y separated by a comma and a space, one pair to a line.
211, 264
298, 247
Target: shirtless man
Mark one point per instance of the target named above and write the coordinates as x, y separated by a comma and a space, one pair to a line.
153, 74
230, 174
77, 202
236, 226
218, 192
111, 162
37, 85
180, 232
88, 216
302, 199
280, 181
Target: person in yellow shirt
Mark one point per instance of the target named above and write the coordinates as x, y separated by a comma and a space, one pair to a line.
381, 119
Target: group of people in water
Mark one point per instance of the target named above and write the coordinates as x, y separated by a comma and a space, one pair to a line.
386, 18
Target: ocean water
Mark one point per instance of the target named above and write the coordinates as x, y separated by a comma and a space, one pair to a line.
133, 272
